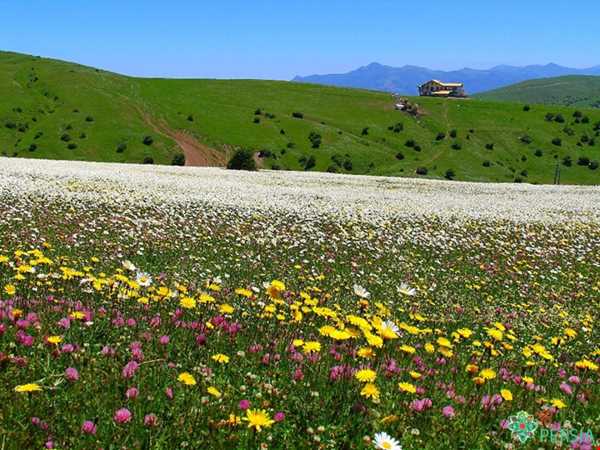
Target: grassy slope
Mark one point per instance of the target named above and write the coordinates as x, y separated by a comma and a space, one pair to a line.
223, 115
579, 91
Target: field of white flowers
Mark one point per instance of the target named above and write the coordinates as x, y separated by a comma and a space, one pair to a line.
159, 307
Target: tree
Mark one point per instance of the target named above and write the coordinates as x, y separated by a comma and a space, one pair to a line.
178, 160
148, 160
242, 160
449, 175
148, 140
421, 170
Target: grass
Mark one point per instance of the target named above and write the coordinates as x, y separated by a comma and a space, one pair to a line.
576, 90
53, 98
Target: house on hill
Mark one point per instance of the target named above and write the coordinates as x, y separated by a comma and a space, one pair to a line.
436, 88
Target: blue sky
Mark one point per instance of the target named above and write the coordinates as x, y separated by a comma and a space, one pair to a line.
280, 39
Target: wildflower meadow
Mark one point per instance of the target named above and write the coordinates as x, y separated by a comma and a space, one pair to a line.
167, 308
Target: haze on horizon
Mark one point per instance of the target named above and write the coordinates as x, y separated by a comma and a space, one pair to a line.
268, 39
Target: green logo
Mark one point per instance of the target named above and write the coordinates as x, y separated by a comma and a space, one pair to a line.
522, 425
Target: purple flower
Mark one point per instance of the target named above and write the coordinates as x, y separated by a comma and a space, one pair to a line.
448, 411
88, 427
164, 340
169, 393
122, 415
150, 420
132, 393
244, 405
279, 416
130, 369
566, 388
71, 374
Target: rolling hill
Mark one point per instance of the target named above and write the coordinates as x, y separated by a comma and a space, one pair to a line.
404, 80
59, 110
579, 91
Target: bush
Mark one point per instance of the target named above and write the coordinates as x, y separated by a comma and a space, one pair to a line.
559, 118
258, 112
557, 142
82, 135
538, 152
121, 147
583, 161
256, 120
456, 146
38, 135
10, 125
487, 163
549, 117
421, 171
489, 146
440, 136
148, 160
315, 139
72, 146
32, 147
190, 118
242, 160
310, 162
297, 115
593, 165
365, 131
178, 160
567, 161
453, 133
148, 140
397, 128
410, 143
417, 148
526, 139
348, 165
399, 156
89, 119
65, 138
332, 168
526, 108
578, 114
449, 175
518, 180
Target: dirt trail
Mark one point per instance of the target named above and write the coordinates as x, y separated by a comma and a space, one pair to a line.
196, 153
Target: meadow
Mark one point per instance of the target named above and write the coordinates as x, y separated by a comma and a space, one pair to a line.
159, 307
52, 109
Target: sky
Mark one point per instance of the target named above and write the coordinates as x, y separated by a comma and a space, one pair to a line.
280, 39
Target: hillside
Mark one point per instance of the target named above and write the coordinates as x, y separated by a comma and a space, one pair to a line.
57, 110
580, 91
404, 80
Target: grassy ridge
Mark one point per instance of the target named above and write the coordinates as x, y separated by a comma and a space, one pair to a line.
575, 90
54, 98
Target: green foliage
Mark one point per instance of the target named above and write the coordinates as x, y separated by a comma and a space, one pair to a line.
242, 159
178, 160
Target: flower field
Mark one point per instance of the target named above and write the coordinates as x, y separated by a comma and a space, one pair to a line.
159, 308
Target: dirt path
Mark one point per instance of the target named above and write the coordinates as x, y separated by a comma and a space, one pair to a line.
196, 153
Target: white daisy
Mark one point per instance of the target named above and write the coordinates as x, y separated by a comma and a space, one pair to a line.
389, 325
361, 291
405, 289
143, 279
128, 265
384, 441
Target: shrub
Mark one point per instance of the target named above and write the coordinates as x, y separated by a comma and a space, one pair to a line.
449, 175
559, 118
310, 162
410, 143
523, 158
10, 125
538, 152
178, 160
32, 147
440, 136
38, 135
399, 156
190, 118
148, 140
417, 148
489, 146
549, 117
242, 160
121, 147
567, 161
297, 115
89, 119
258, 112
518, 180
72, 146
526, 108
365, 131
256, 120
583, 161
282, 131
453, 133
148, 160
557, 142
82, 135
65, 137
578, 114
593, 165
315, 139
526, 139
487, 163
568, 131
332, 168
421, 171
348, 165
456, 146
585, 119
397, 128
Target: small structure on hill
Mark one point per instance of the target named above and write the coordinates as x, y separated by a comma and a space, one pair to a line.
436, 88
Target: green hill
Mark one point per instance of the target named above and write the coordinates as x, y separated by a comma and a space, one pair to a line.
54, 109
577, 91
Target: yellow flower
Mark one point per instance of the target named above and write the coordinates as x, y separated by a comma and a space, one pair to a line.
214, 391
558, 403
586, 364
54, 340
506, 394
275, 288
226, 309
407, 349
528, 380
495, 333
77, 315
443, 342
257, 419
220, 358
365, 352
187, 379
244, 292
297, 342
465, 332
487, 374
187, 303
10, 289
429, 348
370, 391
415, 375
312, 346
29, 387
407, 387
365, 375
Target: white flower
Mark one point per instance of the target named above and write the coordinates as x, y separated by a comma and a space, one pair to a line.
389, 325
361, 291
405, 289
128, 265
385, 442
143, 279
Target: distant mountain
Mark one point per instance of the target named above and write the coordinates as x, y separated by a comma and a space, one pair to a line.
576, 90
404, 80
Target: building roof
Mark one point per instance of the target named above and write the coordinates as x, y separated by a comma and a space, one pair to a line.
447, 84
